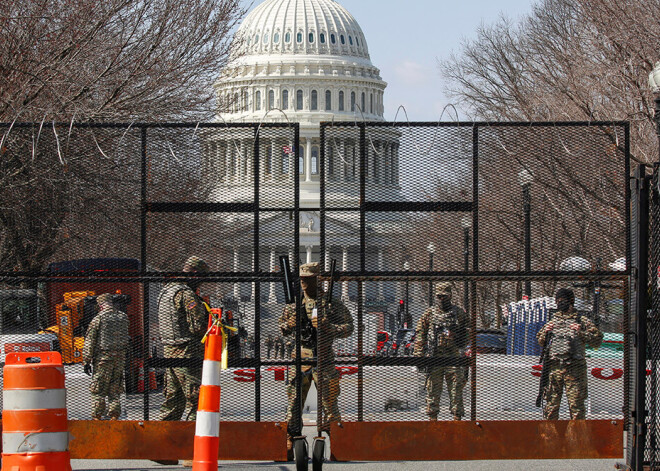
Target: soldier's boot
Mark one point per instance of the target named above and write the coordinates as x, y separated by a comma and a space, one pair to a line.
457, 417
433, 416
167, 462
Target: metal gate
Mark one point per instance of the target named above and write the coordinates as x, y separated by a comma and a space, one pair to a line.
506, 213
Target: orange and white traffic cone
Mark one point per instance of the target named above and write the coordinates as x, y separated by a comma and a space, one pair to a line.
207, 428
152, 379
35, 436
140, 381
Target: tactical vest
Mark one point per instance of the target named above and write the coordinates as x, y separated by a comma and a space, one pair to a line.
446, 335
566, 343
113, 330
172, 320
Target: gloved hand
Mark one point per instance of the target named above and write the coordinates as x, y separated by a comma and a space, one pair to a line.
88, 369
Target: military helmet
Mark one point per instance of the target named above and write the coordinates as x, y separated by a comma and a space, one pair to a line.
105, 298
310, 269
443, 287
196, 263
565, 293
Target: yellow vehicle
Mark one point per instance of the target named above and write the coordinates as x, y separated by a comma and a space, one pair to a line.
72, 316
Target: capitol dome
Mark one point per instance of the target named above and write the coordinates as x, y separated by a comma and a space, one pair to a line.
302, 27
306, 58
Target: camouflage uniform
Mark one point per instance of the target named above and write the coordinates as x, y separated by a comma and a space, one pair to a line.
183, 321
335, 322
443, 334
568, 366
105, 347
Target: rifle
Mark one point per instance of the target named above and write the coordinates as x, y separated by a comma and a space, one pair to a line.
545, 372
307, 330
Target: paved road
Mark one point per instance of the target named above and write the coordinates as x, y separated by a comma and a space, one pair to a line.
519, 465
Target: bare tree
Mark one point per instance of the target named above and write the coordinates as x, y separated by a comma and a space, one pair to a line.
115, 60
568, 60
67, 191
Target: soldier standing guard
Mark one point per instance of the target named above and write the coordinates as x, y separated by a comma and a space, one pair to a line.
331, 320
442, 332
568, 333
183, 320
104, 353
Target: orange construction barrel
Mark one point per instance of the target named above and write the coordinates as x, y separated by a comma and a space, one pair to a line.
35, 435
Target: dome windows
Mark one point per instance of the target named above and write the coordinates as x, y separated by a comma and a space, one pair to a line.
299, 100
271, 99
362, 103
333, 39
341, 101
311, 38
328, 100
256, 39
257, 101
299, 37
357, 41
350, 40
353, 101
276, 38
265, 38
322, 38
287, 37
341, 38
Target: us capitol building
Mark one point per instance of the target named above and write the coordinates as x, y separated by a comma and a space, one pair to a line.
303, 61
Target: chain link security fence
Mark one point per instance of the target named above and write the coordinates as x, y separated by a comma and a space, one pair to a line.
119, 209
497, 215
500, 216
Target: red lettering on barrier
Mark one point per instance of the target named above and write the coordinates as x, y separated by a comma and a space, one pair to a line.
598, 373
279, 372
246, 375
346, 370
537, 370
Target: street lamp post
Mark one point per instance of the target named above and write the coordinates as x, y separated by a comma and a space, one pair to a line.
654, 82
431, 250
466, 222
526, 178
406, 267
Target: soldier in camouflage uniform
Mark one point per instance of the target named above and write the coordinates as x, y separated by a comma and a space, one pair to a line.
331, 321
568, 333
104, 353
182, 320
442, 331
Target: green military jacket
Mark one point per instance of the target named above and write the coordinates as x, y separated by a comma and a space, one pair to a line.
107, 335
334, 320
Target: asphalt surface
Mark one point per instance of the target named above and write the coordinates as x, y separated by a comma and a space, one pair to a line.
519, 465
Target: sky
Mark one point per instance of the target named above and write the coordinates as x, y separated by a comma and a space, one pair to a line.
406, 40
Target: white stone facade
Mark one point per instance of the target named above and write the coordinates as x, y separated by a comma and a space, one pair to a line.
304, 61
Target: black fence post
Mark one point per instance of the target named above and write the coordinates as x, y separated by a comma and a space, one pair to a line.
641, 294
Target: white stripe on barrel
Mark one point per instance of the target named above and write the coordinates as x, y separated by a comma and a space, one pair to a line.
22, 442
29, 399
